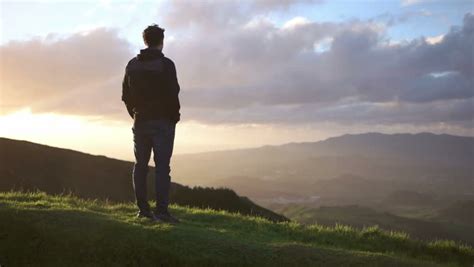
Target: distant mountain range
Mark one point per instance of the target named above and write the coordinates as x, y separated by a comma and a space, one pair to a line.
29, 166
369, 166
445, 149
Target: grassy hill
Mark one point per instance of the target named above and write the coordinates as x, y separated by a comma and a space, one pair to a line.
46, 230
29, 166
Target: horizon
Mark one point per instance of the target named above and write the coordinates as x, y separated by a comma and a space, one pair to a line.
278, 72
244, 148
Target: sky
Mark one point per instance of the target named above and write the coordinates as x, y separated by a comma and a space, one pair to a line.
252, 73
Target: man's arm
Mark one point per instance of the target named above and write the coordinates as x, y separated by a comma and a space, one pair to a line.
174, 87
126, 97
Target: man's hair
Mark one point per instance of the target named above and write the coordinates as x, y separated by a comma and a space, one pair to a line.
153, 35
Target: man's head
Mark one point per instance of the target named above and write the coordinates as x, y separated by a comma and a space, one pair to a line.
153, 36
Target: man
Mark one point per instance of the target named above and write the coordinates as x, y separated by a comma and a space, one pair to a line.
150, 91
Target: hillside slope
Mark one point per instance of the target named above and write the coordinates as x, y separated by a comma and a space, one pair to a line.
29, 166
39, 229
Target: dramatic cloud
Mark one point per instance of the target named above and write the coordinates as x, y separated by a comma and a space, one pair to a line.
219, 15
258, 72
236, 66
79, 74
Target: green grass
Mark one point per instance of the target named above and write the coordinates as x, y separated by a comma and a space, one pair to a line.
45, 230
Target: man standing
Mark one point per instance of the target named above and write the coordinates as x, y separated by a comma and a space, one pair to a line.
150, 91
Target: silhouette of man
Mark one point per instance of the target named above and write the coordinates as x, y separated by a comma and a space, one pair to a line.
150, 91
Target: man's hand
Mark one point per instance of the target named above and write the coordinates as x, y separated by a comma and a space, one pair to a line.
130, 110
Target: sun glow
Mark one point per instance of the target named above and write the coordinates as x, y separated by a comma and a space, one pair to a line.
75, 132
114, 138
102, 136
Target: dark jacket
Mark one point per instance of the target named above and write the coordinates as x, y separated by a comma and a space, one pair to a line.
150, 87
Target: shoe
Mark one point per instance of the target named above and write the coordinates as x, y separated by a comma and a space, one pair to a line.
146, 214
166, 217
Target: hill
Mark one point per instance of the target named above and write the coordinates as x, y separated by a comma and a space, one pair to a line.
410, 198
29, 166
461, 211
39, 229
443, 148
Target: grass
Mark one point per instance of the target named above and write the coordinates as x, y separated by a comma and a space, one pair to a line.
48, 230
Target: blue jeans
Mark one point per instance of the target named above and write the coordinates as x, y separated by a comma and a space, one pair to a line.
156, 135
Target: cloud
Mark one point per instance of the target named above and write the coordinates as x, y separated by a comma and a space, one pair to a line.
435, 39
79, 73
216, 14
249, 73
455, 112
412, 2
391, 19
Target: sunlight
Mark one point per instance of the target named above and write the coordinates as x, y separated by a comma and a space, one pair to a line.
23, 124
72, 132
113, 138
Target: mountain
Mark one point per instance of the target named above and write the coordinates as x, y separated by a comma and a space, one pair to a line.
378, 164
29, 166
428, 147
37, 229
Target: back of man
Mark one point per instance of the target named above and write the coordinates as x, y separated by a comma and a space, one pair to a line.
150, 91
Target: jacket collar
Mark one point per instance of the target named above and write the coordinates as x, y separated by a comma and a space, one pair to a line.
150, 54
